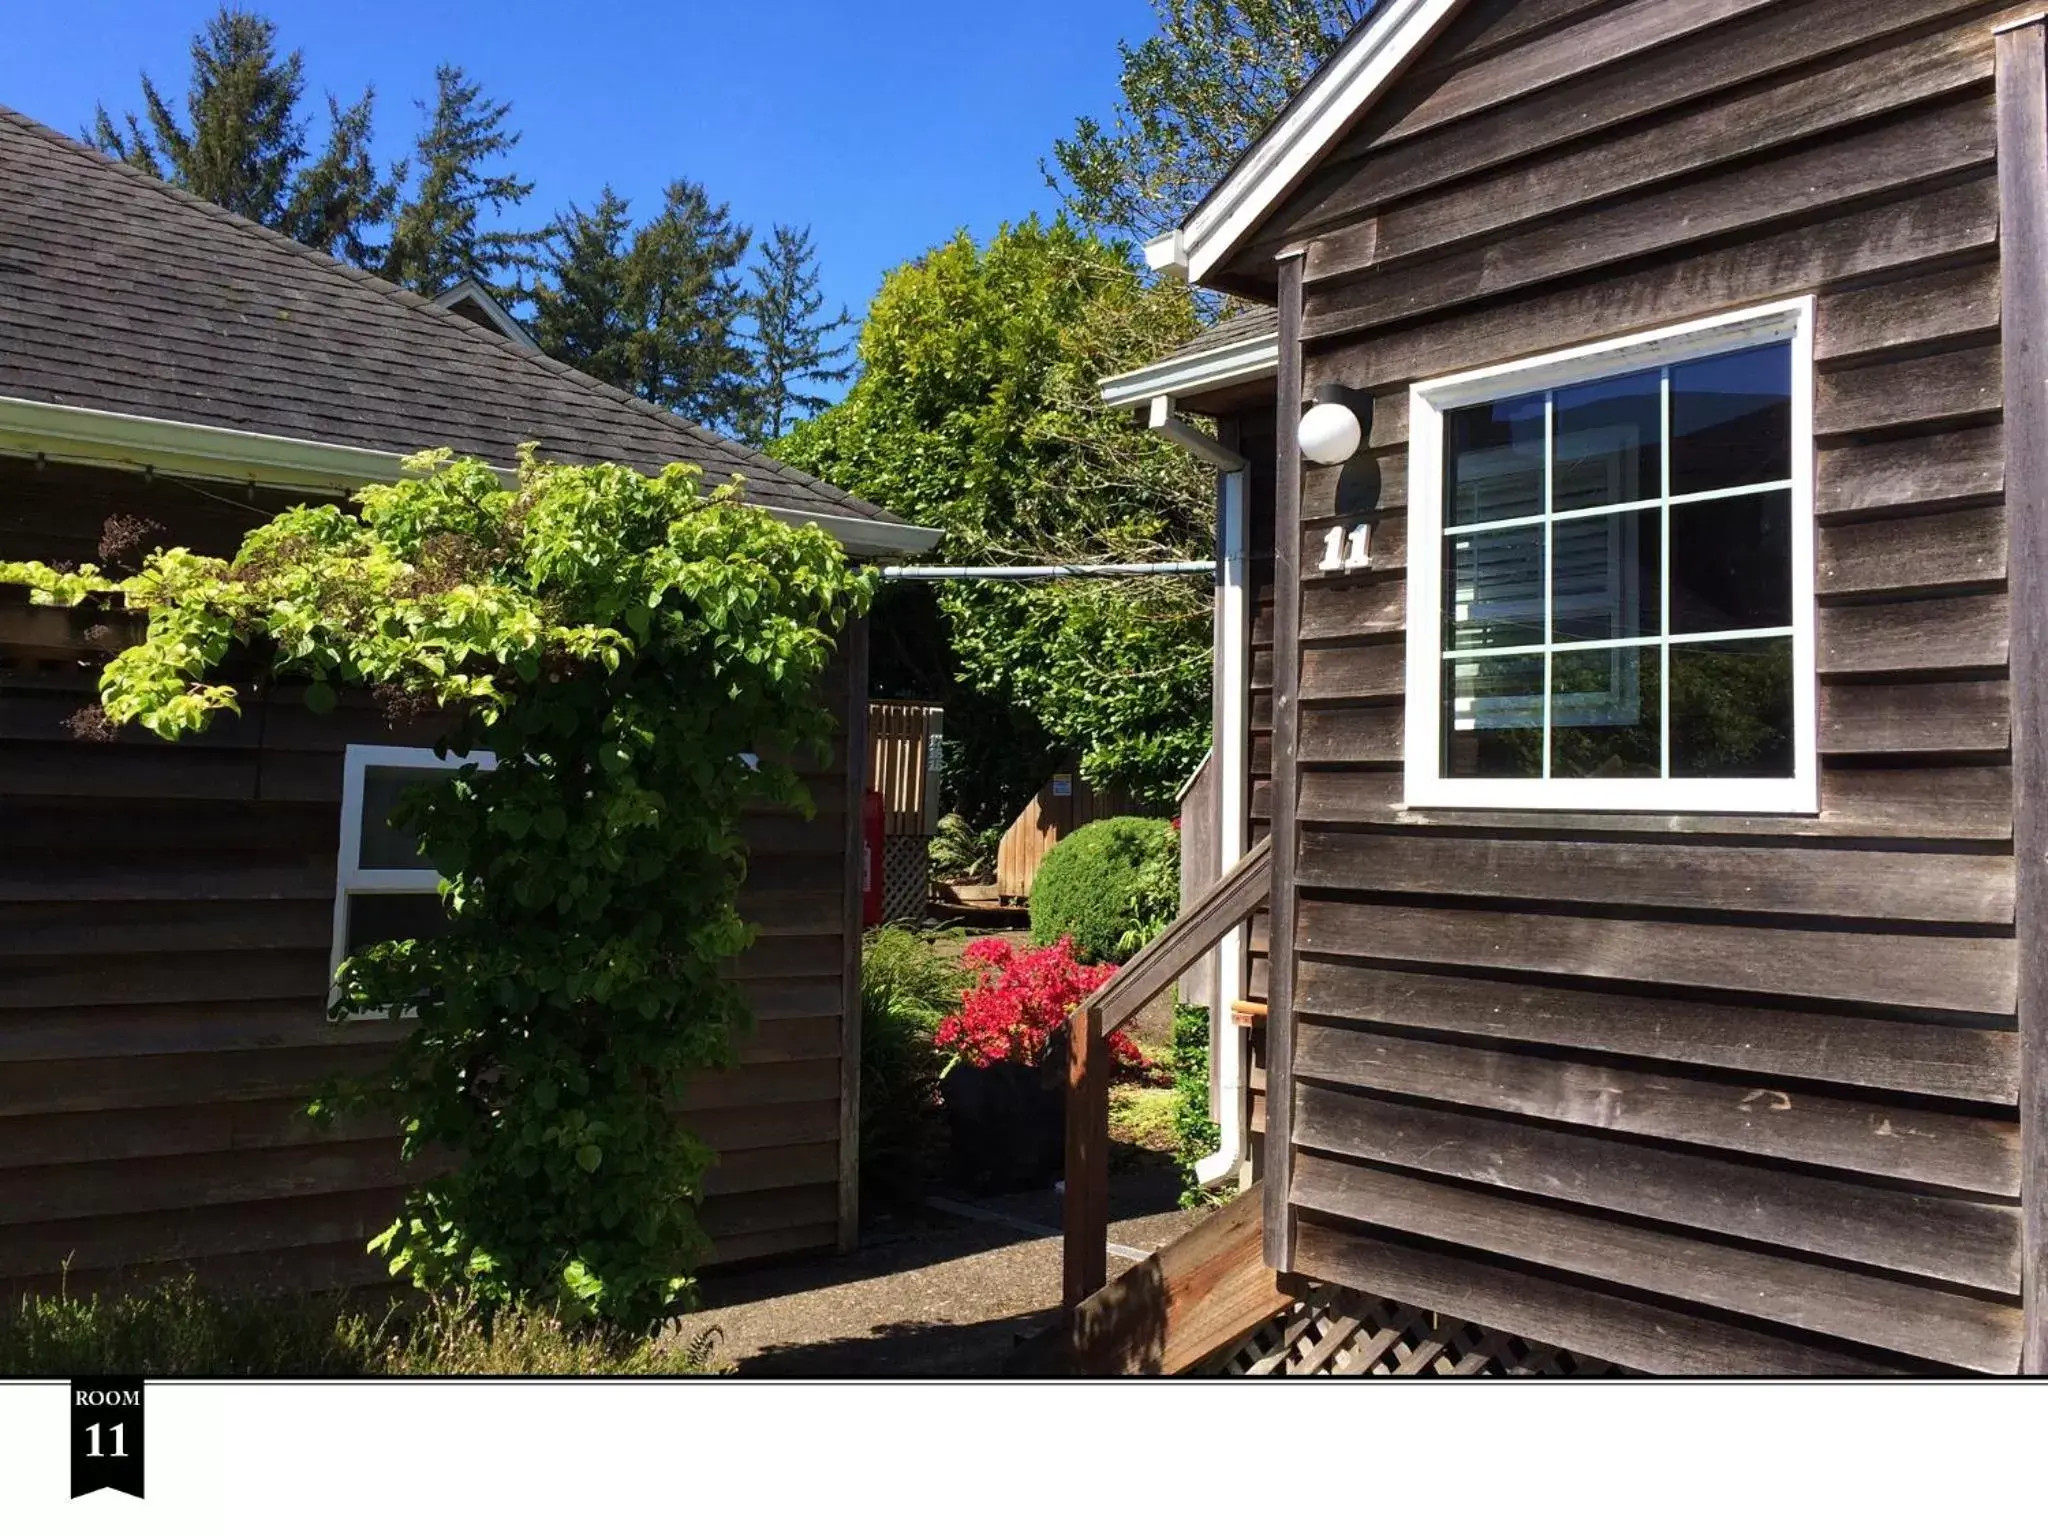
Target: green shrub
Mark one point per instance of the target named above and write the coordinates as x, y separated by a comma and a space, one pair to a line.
906, 988
1101, 883
178, 1328
1195, 1134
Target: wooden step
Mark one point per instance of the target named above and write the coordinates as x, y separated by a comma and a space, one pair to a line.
1202, 1292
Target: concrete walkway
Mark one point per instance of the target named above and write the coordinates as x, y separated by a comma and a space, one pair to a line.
948, 1296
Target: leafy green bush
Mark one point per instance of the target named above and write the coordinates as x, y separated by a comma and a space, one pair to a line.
906, 988
961, 853
179, 1329
1195, 1134
1100, 884
640, 655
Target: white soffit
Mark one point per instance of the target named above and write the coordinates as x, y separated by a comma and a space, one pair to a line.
1276, 163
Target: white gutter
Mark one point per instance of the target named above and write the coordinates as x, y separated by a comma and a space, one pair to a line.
73, 434
1043, 572
1227, 1076
1237, 362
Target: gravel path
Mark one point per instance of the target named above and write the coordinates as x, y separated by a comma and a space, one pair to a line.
950, 1297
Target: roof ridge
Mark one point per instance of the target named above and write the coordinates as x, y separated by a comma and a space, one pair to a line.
419, 304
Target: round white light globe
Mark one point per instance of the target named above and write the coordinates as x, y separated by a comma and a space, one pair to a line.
1329, 433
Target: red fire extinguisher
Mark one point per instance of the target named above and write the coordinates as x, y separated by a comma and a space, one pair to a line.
871, 864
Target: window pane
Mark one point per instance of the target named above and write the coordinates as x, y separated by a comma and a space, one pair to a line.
1493, 588
1731, 563
1731, 710
1604, 574
1606, 714
1493, 718
373, 919
1731, 419
384, 846
1608, 446
1494, 461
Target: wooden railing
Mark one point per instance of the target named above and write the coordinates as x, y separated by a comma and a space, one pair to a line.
1199, 929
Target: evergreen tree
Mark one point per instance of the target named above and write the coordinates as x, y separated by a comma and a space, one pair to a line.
654, 310
243, 144
1195, 95
684, 291
581, 310
791, 347
243, 140
436, 238
338, 199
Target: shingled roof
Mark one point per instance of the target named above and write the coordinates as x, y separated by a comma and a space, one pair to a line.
119, 293
1236, 350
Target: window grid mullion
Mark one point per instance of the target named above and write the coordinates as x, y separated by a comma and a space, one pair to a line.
1664, 575
1546, 578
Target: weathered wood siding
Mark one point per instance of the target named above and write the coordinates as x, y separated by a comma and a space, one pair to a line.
165, 921
1714, 1089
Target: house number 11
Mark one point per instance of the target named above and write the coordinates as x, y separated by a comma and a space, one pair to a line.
1350, 551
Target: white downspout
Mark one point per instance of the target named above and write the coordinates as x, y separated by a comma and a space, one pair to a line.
1233, 646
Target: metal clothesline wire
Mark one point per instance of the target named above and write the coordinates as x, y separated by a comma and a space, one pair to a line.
1044, 572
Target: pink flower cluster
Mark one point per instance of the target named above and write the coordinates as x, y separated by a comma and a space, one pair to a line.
1015, 1001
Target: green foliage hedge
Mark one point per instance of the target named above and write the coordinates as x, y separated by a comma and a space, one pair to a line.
1100, 883
906, 987
178, 1328
1195, 1134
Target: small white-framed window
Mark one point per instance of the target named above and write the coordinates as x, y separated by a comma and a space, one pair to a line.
384, 887
1610, 575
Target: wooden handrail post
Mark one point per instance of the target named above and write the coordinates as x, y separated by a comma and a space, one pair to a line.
1085, 1251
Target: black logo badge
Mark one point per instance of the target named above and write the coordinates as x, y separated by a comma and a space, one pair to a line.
106, 1434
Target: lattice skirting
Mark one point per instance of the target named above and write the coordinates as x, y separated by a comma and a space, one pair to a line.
1336, 1332
906, 878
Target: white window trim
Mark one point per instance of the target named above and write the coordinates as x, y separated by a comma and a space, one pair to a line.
350, 878
1426, 787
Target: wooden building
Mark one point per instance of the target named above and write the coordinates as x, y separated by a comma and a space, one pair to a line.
1631, 477
169, 915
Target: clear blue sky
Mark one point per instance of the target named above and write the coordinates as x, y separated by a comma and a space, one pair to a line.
884, 124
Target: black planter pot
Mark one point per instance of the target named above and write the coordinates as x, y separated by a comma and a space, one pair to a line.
1007, 1123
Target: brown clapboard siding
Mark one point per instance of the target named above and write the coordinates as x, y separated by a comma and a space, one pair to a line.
1937, 1237
1699, 1092
1910, 801
1370, 168
1645, 1336
1893, 1141
1771, 1039
1974, 888
164, 937
1964, 973
1934, 1324
1753, 121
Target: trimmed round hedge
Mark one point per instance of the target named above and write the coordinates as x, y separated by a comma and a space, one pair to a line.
1089, 884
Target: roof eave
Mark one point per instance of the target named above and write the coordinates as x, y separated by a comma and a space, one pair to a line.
80, 435
1238, 362
1281, 157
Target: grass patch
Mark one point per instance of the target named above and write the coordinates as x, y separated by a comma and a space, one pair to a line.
180, 1329
1143, 1116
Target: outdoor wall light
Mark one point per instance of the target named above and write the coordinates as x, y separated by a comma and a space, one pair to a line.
1331, 430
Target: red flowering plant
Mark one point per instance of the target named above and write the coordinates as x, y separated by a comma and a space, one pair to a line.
1015, 1000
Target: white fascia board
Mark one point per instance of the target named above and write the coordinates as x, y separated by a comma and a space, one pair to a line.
1168, 253
73, 434
1276, 164
1257, 357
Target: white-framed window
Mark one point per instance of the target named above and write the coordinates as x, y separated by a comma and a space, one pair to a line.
384, 887
1610, 575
